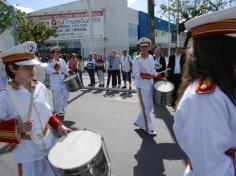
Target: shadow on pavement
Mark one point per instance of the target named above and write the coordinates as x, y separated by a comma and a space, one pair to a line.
76, 97
162, 113
4, 149
157, 152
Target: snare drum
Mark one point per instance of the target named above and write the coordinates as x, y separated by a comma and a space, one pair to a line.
163, 91
81, 153
72, 83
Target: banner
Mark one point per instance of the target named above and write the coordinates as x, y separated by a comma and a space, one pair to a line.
161, 36
75, 25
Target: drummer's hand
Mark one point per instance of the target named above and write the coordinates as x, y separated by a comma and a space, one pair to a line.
25, 126
63, 130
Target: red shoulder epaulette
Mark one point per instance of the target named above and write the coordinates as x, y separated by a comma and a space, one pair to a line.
205, 86
8, 131
13, 84
55, 122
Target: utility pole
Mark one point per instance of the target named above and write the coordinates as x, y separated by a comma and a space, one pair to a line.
13, 12
177, 22
90, 17
151, 20
169, 33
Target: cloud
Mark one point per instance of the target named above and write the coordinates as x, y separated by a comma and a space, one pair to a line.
24, 9
131, 2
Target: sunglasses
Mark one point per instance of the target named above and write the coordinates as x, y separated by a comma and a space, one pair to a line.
144, 46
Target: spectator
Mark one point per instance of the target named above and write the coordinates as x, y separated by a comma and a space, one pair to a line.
109, 70
100, 70
126, 67
176, 63
80, 69
91, 70
116, 69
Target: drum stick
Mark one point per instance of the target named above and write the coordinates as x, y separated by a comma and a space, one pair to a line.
164, 71
31, 103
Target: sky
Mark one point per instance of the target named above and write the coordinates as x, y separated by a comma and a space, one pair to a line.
31, 5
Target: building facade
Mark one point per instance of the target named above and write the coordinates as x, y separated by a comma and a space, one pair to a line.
88, 26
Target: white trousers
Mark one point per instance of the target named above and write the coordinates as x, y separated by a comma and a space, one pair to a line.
147, 99
39, 168
60, 98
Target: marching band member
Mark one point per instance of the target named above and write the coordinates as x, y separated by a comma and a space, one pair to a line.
205, 119
144, 71
26, 121
57, 70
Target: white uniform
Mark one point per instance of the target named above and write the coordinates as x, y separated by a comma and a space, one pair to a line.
144, 88
205, 128
59, 90
26, 152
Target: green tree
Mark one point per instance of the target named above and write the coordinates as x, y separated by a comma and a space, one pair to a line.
188, 9
5, 16
37, 31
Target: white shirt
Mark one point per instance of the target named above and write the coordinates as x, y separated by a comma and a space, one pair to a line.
177, 69
205, 127
125, 63
146, 65
56, 80
27, 151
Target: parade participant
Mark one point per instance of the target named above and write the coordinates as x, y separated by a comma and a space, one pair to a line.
205, 119
144, 72
126, 67
57, 70
73, 63
175, 64
26, 114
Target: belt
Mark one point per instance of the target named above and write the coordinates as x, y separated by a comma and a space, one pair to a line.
11, 147
27, 137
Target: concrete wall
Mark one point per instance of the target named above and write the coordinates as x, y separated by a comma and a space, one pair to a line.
6, 40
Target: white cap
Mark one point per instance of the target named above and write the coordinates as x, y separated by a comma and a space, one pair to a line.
144, 41
55, 48
214, 23
22, 54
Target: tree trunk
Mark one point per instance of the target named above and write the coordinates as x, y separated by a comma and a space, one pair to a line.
151, 21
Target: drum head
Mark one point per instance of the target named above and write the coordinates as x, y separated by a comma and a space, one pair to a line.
75, 150
70, 77
164, 86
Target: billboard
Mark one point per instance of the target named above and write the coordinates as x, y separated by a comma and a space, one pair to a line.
161, 36
75, 25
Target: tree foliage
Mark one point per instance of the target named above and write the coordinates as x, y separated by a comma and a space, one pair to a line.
188, 9
5, 17
37, 31
26, 29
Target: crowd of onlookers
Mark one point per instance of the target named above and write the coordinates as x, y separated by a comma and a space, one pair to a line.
120, 67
